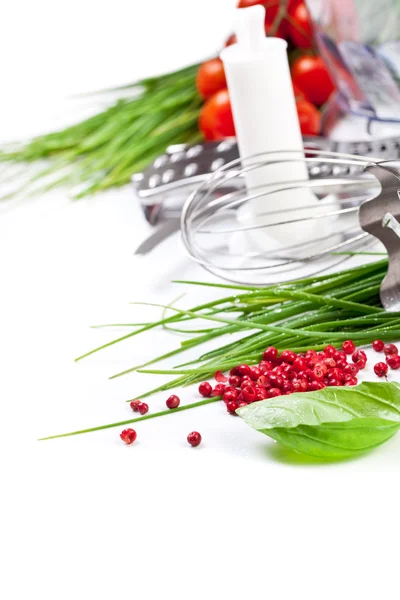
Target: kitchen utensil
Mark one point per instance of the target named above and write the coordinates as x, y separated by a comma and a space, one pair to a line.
380, 217
164, 187
220, 232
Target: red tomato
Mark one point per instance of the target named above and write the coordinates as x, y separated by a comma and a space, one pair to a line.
271, 12
216, 120
210, 77
300, 27
309, 118
298, 94
311, 75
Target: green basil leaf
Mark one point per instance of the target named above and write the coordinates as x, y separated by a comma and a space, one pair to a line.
335, 422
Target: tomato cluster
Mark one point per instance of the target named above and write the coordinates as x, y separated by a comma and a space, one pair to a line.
311, 81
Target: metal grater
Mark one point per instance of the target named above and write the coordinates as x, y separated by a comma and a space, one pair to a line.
163, 188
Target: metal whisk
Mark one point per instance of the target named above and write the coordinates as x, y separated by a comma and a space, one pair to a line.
271, 232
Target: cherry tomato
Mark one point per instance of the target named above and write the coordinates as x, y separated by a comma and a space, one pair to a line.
210, 77
309, 118
300, 27
272, 8
311, 75
298, 93
216, 120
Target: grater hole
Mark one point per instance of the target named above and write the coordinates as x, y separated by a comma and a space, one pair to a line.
154, 180
194, 151
160, 161
177, 157
190, 169
217, 164
168, 176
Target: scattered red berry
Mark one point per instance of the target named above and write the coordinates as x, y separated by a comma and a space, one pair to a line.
135, 405
275, 380
390, 349
262, 393
312, 386
234, 380
380, 369
359, 357
143, 408
173, 402
330, 362
249, 394
299, 385
230, 395
299, 364
255, 373
270, 353
218, 390
351, 368
378, 345
128, 436
205, 389
243, 370
245, 382
335, 374
220, 377
262, 382
319, 371
288, 356
348, 347
287, 387
194, 438
329, 350
231, 407
265, 366
351, 381
393, 360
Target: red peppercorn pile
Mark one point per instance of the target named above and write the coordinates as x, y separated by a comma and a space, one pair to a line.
288, 372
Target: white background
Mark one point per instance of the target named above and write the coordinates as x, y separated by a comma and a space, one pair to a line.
88, 517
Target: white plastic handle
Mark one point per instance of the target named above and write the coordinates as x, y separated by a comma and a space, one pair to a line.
249, 28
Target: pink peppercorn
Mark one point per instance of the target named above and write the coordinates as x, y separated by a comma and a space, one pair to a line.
135, 405
380, 369
249, 393
143, 408
194, 438
378, 345
348, 347
393, 360
234, 380
288, 356
230, 395
359, 356
270, 353
329, 351
220, 377
173, 402
218, 390
231, 407
390, 349
128, 436
205, 389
